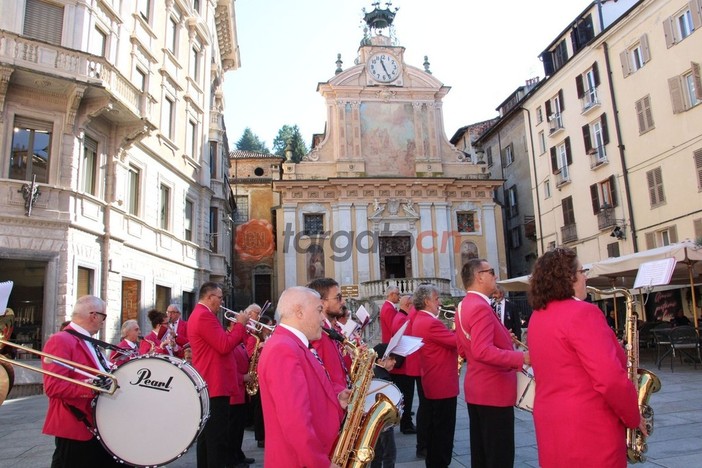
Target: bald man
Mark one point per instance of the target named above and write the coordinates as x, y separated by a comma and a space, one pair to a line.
301, 410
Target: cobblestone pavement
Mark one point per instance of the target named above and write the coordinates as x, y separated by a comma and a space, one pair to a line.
676, 441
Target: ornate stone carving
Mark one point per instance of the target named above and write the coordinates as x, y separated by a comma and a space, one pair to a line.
72, 109
5, 74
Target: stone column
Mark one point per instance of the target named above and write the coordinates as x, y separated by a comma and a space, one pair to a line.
342, 243
290, 245
425, 241
364, 246
444, 242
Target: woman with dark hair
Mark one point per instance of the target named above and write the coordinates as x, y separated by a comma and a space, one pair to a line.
584, 398
152, 344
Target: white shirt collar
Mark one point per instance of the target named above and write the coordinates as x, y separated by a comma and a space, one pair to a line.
297, 333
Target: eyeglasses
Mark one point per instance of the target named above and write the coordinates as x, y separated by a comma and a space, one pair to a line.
101, 314
176, 312
491, 271
584, 271
337, 297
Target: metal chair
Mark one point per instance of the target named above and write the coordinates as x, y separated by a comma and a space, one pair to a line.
661, 339
684, 340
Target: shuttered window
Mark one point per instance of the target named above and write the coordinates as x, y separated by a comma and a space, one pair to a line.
697, 156
654, 179
90, 166
644, 114
43, 21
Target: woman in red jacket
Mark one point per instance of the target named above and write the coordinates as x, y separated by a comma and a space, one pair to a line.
584, 398
152, 344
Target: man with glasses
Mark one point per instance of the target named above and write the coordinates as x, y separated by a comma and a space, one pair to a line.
179, 329
388, 313
212, 347
335, 358
490, 384
70, 414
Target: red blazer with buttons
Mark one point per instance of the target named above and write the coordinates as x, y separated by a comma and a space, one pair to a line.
412, 362
301, 410
241, 362
438, 356
212, 347
60, 420
491, 378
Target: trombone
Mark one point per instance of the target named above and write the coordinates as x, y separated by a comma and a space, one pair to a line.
109, 382
253, 325
449, 314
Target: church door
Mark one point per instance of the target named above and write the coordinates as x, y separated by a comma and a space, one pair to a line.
395, 257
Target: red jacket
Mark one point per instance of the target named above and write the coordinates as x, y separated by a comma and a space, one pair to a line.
491, 378
301, 410
584, 398
60, 421
241, 363
438, 356
212, 346
151, 345
117, 358
412, 362
387, 315
333, 361
181, 337
398, 321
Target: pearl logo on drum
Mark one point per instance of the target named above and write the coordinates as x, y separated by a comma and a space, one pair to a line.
145, 380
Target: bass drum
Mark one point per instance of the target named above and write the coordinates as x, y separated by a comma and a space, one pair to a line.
169, 392
385, 387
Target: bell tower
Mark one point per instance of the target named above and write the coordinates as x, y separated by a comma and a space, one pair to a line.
379, 49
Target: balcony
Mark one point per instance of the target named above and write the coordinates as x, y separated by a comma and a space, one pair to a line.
562, 176
606, 218
569, 233
555, 124
45, 67
598, 156
589, 101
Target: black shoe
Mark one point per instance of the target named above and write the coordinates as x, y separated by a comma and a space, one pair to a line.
422, 453
408, 428
261, 444
249, 461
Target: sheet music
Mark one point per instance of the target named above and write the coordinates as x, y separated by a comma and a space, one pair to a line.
5, 290
349, 327
362, 315
408, 345
655, 273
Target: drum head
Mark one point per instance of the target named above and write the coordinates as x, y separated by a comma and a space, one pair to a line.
155, 414
387, 388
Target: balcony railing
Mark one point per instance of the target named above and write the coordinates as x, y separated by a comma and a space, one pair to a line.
606, 218
555, 123
589, 100
598, 156
376, 289
73, 65
562, 176
569, 233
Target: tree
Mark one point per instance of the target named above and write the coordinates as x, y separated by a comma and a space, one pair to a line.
290, 134
249, 141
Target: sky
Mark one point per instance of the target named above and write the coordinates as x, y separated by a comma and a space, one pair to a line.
482, 50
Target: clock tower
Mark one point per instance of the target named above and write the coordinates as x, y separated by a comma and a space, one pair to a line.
383, 197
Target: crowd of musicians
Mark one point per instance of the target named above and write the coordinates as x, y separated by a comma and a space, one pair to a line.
584, 398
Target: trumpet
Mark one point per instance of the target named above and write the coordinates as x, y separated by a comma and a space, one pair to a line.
449, 314
253, 325
107, 382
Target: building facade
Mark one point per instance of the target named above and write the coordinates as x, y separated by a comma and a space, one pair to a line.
112, 112
383, 197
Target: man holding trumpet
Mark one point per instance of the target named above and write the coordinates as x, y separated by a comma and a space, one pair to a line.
212, 346
69, 415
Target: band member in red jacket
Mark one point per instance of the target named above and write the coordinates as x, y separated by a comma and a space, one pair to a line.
70, 413
388, 312
130, 336
212, 347
179, 330
584, 399
335, 358
490, 384
438, 358
301, 409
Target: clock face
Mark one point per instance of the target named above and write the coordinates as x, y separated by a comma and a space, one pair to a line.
384, 67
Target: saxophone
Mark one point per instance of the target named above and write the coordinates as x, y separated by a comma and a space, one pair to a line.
355, 445
252, 384
645, 381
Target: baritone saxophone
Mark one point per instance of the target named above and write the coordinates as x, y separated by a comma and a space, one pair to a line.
645, 381
355, 446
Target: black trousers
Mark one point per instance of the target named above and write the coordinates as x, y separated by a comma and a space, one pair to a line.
406, 385
259, 428
422, 422
441, 417
213, 441
71, 453
237, 424
491, 436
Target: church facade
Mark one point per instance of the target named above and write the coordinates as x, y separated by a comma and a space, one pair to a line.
383, 197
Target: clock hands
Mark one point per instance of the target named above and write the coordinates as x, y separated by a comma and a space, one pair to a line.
382, 63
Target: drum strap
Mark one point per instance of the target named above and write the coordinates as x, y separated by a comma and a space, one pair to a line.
94, 341
80, 416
